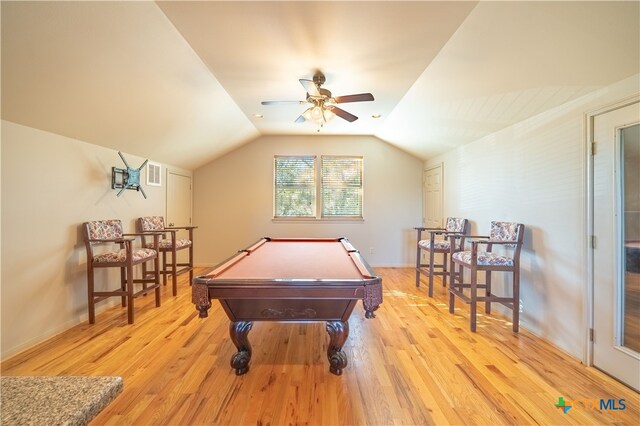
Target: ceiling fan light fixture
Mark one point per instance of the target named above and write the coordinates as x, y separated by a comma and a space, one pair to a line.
328, 114
316, 113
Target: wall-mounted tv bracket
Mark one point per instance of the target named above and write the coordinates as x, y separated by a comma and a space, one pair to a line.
126, 178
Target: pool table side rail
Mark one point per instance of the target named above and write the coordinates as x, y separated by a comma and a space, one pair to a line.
369, 291
232, 260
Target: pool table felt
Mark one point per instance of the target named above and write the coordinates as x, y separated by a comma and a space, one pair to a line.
286, 259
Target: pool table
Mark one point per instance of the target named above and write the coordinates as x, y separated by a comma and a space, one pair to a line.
290, 279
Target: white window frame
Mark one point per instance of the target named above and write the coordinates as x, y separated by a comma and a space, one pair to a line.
314, 206
317, 160
320, 194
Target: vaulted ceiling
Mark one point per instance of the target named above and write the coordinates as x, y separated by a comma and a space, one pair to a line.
181, 82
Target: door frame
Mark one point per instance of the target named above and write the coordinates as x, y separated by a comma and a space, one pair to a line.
589, 121
426, 170
167, 195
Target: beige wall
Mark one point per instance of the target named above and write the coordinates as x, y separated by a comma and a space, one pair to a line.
535, 173
233, 199
50, 185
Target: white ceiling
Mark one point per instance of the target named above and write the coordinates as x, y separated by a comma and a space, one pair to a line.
180, 82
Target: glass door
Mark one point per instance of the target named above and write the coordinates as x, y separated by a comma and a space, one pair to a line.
629, 140
616, 244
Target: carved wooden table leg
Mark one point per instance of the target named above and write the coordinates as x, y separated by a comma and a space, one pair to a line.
369, 312
203, 310
338, 333
239, 331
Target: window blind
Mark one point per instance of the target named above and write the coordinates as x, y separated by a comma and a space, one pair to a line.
341, 186
295, 186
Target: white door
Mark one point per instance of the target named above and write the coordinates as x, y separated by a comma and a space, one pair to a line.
432, 199
432, 186
179, 206
616, 252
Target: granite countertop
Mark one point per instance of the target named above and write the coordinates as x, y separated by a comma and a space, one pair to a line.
59, 400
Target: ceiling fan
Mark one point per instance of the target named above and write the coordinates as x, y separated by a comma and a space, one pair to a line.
323, 104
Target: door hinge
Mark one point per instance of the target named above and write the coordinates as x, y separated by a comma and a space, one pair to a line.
593, 148
593, 241
591, 334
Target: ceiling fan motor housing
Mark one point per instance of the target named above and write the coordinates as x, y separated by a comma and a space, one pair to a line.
325, 93
319, 79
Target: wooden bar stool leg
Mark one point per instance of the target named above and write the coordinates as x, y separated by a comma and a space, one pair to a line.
174, 275
444, 269
123, 285
144, 275
191, 262
474, 297
418, 269
156, 278
452, 285
130, 293
418, 259
92, 306
487, 303
516, 300
431, 259
164, 268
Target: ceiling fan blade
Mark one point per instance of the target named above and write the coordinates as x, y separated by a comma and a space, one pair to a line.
361, 97
310, 87
283, 102
344, 114
302, 117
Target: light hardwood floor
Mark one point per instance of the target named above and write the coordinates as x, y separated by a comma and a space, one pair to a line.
414, 364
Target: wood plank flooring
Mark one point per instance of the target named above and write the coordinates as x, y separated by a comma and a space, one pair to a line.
414, 364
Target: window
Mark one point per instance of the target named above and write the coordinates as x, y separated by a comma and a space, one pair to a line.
302, 190
341, 186
295, 186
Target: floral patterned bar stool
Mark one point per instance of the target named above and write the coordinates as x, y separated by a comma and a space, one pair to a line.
173, 244
451, 239
506, 234
109, 233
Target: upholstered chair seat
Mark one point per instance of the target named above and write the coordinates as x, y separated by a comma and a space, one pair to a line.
167, 244
437, 244
484, 258
137, 255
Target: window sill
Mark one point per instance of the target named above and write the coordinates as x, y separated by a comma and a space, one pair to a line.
318, 219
